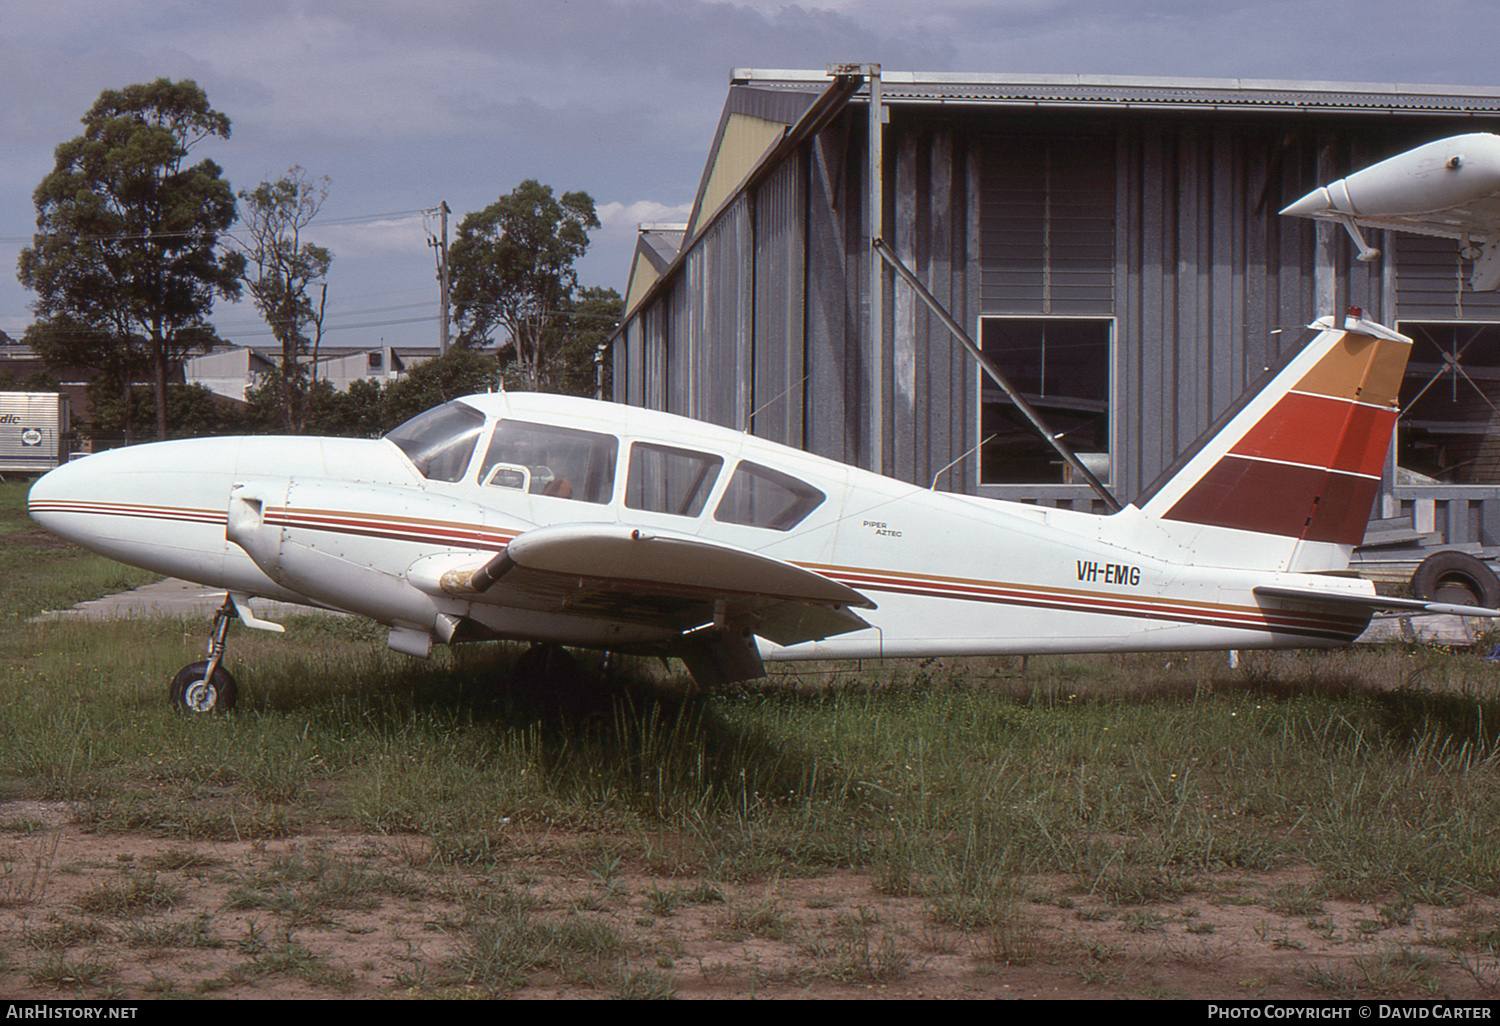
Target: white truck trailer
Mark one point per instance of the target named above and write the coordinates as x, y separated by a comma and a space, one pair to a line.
33, 431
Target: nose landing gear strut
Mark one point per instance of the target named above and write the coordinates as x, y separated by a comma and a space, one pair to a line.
205, 686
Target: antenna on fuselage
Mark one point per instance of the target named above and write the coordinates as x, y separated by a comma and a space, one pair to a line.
750, 421
933, 487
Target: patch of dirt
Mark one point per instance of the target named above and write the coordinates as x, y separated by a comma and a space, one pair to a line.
337, 914
39, 540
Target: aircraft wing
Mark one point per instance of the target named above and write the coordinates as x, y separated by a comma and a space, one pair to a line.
658, 578
1375, 603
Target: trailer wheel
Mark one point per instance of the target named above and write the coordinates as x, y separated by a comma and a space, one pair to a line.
1456, 577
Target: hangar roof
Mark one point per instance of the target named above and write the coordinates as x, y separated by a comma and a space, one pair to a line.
904, 87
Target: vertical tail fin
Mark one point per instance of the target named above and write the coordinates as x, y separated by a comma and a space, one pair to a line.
1300, 459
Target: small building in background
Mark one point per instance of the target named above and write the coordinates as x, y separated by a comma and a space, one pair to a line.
231, 372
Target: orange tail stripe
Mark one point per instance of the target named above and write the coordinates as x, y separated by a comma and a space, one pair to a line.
1359, 367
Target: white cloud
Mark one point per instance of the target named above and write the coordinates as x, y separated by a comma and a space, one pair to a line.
629, 216
405, 235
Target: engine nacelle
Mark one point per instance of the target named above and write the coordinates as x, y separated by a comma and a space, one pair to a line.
350, 545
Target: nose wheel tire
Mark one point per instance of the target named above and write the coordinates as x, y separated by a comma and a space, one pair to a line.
191, 693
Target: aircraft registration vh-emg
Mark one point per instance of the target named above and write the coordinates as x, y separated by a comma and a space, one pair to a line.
565, 521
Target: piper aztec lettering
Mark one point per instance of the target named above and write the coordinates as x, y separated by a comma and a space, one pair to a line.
566, 521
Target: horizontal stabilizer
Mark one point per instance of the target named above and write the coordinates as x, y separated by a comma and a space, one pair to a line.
1375, 603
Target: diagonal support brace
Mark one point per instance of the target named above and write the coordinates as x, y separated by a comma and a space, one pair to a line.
995, 375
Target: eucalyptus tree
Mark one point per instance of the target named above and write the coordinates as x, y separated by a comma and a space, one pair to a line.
512, 273
126, 262
281, 269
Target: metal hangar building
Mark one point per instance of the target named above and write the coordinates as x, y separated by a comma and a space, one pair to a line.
1112, 244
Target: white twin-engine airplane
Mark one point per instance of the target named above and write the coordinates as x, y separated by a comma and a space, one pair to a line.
567, 521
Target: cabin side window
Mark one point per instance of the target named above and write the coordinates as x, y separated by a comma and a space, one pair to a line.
440, 441
758, 496
663, 479
544, 459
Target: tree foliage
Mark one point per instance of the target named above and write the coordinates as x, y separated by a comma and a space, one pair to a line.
368, 408
282, 267
125, 262
513, 275
455, 374
586, 323
192, 412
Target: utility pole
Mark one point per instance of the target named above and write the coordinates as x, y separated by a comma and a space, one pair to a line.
874, 217
440, 246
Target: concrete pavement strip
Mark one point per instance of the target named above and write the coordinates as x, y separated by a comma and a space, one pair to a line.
169, 598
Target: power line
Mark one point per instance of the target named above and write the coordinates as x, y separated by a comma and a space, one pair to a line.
251, 329
327, 328
235, 325
125, 236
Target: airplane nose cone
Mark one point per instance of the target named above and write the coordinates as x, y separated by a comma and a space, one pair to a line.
55, 497
1314, 203
158, 506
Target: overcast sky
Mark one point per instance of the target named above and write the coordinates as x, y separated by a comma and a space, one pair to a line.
406, 103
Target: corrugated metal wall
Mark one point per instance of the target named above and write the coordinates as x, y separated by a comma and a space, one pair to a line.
931, 410
779, 352
708, 341
1432, 284
1171, 228
834, 313
1216, 285
1167, 224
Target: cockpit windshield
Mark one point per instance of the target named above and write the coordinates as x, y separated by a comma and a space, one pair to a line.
440, 441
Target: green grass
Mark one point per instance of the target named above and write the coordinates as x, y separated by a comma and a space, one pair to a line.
1135, 778
40, 573
1132, 794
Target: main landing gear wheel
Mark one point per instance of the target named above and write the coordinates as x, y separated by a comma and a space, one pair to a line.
194, 690
205, 686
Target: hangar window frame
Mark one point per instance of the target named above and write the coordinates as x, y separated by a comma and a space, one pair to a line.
1100, 334
1452, 378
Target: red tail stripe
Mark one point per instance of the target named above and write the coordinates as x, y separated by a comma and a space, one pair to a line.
1320, 431
1281, 499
